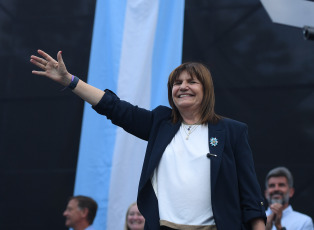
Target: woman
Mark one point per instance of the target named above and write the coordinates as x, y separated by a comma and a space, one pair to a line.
198, 171
134, 219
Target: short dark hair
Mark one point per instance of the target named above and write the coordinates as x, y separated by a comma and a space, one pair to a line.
89, 203
201, 73
278, 172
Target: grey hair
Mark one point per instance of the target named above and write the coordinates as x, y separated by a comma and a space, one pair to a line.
277, 172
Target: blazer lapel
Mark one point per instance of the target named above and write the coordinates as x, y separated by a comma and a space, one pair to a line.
165, 134
216, 141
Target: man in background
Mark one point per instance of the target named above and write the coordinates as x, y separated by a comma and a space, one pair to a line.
80, 213
280, 215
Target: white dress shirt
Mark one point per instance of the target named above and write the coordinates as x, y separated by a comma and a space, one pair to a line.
293, 220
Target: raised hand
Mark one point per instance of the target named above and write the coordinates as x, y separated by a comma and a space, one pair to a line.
57, 71
51, 68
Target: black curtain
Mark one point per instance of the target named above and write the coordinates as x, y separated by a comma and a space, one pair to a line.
264, 76
40, 125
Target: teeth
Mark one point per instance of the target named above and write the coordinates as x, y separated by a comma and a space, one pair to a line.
184, 95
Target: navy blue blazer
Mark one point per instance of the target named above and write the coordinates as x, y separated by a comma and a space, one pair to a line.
235, 193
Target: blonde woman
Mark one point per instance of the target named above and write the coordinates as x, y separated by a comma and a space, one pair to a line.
134, 219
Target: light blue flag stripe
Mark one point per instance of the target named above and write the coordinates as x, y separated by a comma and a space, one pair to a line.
98, 134
167, 54
136, 44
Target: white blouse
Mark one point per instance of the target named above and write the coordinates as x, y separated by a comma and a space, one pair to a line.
182, 179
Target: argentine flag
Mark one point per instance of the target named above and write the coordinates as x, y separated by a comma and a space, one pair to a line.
135, 46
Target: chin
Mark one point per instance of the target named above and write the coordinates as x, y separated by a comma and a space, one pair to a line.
278, 201
185, 106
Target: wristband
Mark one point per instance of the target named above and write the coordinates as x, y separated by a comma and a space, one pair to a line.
74, 82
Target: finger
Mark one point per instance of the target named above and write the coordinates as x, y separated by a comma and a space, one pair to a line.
59, 57
38, 64
45, 56
41, 73
274, 211
40, 60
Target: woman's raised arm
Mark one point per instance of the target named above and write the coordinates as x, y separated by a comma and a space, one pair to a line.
57, 71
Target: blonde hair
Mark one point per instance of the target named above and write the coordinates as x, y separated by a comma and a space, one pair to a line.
126, 227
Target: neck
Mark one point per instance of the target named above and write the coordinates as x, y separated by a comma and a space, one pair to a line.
81, 226
190, 116
190, 119
285, 206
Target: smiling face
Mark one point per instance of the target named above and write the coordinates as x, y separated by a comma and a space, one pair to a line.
187, 93
203, 90
135, 220
278, 190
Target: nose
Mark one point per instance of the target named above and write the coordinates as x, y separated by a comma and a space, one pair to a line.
276, 187
183, 85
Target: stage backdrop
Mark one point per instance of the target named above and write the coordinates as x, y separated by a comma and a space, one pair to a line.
263, 75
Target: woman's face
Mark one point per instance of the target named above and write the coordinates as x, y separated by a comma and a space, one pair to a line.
135, 219
187, 93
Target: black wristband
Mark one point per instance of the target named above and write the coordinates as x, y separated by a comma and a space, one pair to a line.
74, 82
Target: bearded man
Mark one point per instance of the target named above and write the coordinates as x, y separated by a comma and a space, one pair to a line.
280, 215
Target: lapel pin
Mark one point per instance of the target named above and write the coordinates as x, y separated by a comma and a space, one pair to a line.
213, 141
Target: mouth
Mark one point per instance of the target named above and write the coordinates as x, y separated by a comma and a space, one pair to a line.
135, 222
184, 95
277, 195
67, 222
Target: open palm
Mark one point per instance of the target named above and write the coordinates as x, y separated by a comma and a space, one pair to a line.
51, 68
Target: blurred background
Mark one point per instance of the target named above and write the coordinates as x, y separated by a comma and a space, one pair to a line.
263, 74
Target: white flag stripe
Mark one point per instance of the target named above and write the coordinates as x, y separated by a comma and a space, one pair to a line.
134, 48
134, 85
